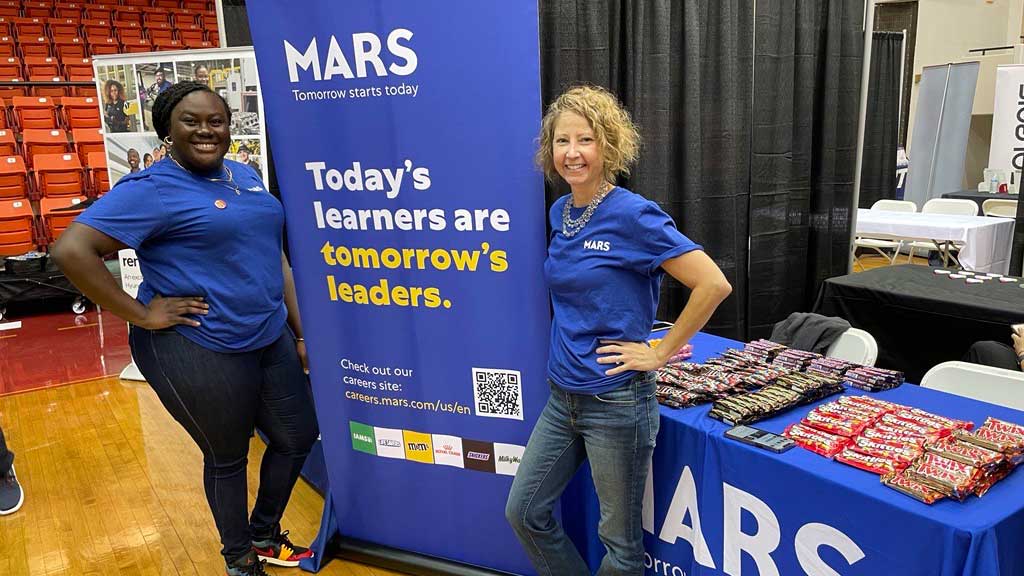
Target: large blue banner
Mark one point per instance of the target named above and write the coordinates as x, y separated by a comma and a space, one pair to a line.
403, 135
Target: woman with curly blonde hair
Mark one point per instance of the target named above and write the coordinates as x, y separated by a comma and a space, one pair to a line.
608, 251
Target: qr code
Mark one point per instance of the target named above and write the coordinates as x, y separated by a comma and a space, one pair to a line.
498, 393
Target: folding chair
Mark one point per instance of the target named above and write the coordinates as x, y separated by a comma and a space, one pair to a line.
999, 208
17, 230
985, 383
880, 245
855, 345
943, 206
59, 175
13, 178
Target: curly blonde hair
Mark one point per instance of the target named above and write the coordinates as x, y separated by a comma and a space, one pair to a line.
613, 129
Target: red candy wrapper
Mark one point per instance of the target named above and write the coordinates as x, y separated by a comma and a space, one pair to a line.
900, 453
912, 488
893, 436
833, 424
923, 419
916, 427
875, 402
817, 441
1004, 427
875, 464
961, 451
948, 476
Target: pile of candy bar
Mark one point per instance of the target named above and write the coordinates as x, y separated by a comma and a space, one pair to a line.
830, 366
873, 379
794, 359
923, 455
789, 390
765, 350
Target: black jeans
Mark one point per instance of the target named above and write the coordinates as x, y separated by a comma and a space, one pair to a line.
218, 398
992, 353
6, 456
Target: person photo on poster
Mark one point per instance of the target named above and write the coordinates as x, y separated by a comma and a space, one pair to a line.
608, 251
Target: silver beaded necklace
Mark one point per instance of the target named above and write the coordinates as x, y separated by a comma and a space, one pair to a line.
572, 227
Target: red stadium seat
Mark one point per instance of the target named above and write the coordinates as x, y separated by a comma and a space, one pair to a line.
70, 47
160, 33
68, 11
13, 178
151, 16
9, 92
96, 28
11, 68
35, 46
58, 214
64, 27
38, 9
128, 13
59, 175
32, 112
164, 4
55, 89
81, 112
8, 48
41, 66
10, 9
35, 142
140, 45
162, 45
197, 5
104, 46
17, 230
28, 27
98, 12
8, 143
78, 69
199, 44
87, 141
99, 178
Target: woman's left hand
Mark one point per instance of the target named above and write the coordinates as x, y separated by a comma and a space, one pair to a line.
628, 356
300, 347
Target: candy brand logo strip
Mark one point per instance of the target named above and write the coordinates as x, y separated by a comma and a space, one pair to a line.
418, 447
447, 450
389, 443
363, 439
479, 455
508, 458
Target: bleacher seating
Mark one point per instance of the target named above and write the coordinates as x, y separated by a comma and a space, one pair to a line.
52, 155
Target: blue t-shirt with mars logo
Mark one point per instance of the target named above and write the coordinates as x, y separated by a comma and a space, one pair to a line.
604, 284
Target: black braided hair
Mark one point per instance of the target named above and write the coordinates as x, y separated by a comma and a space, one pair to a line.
170, 98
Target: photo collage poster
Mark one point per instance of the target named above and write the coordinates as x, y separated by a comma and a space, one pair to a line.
129, 84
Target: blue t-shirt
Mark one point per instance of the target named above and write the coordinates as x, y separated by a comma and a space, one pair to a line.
188, 246
604, 284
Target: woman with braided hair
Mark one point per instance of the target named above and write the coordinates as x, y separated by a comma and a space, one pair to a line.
215, 328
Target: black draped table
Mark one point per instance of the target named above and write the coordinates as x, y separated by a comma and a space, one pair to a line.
920, 318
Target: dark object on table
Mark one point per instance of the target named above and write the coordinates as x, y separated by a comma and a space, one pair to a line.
809, 331
920, 318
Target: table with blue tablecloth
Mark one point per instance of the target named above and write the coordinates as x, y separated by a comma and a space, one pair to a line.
722, 507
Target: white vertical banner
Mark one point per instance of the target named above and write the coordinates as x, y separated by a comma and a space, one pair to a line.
1007, 151
131, 277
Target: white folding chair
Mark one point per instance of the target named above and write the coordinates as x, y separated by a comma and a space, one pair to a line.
855, 345
985, 383
877, 244
944, 206
999, 207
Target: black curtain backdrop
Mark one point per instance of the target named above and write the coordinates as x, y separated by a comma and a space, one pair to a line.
807, 69
881, 127
683, 70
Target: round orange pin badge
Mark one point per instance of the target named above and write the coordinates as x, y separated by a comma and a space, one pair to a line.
220, 204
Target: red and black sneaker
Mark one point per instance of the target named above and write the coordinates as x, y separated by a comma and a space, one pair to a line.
280, 551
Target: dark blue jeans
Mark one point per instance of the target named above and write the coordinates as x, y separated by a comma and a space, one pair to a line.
219, 398
615, 431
